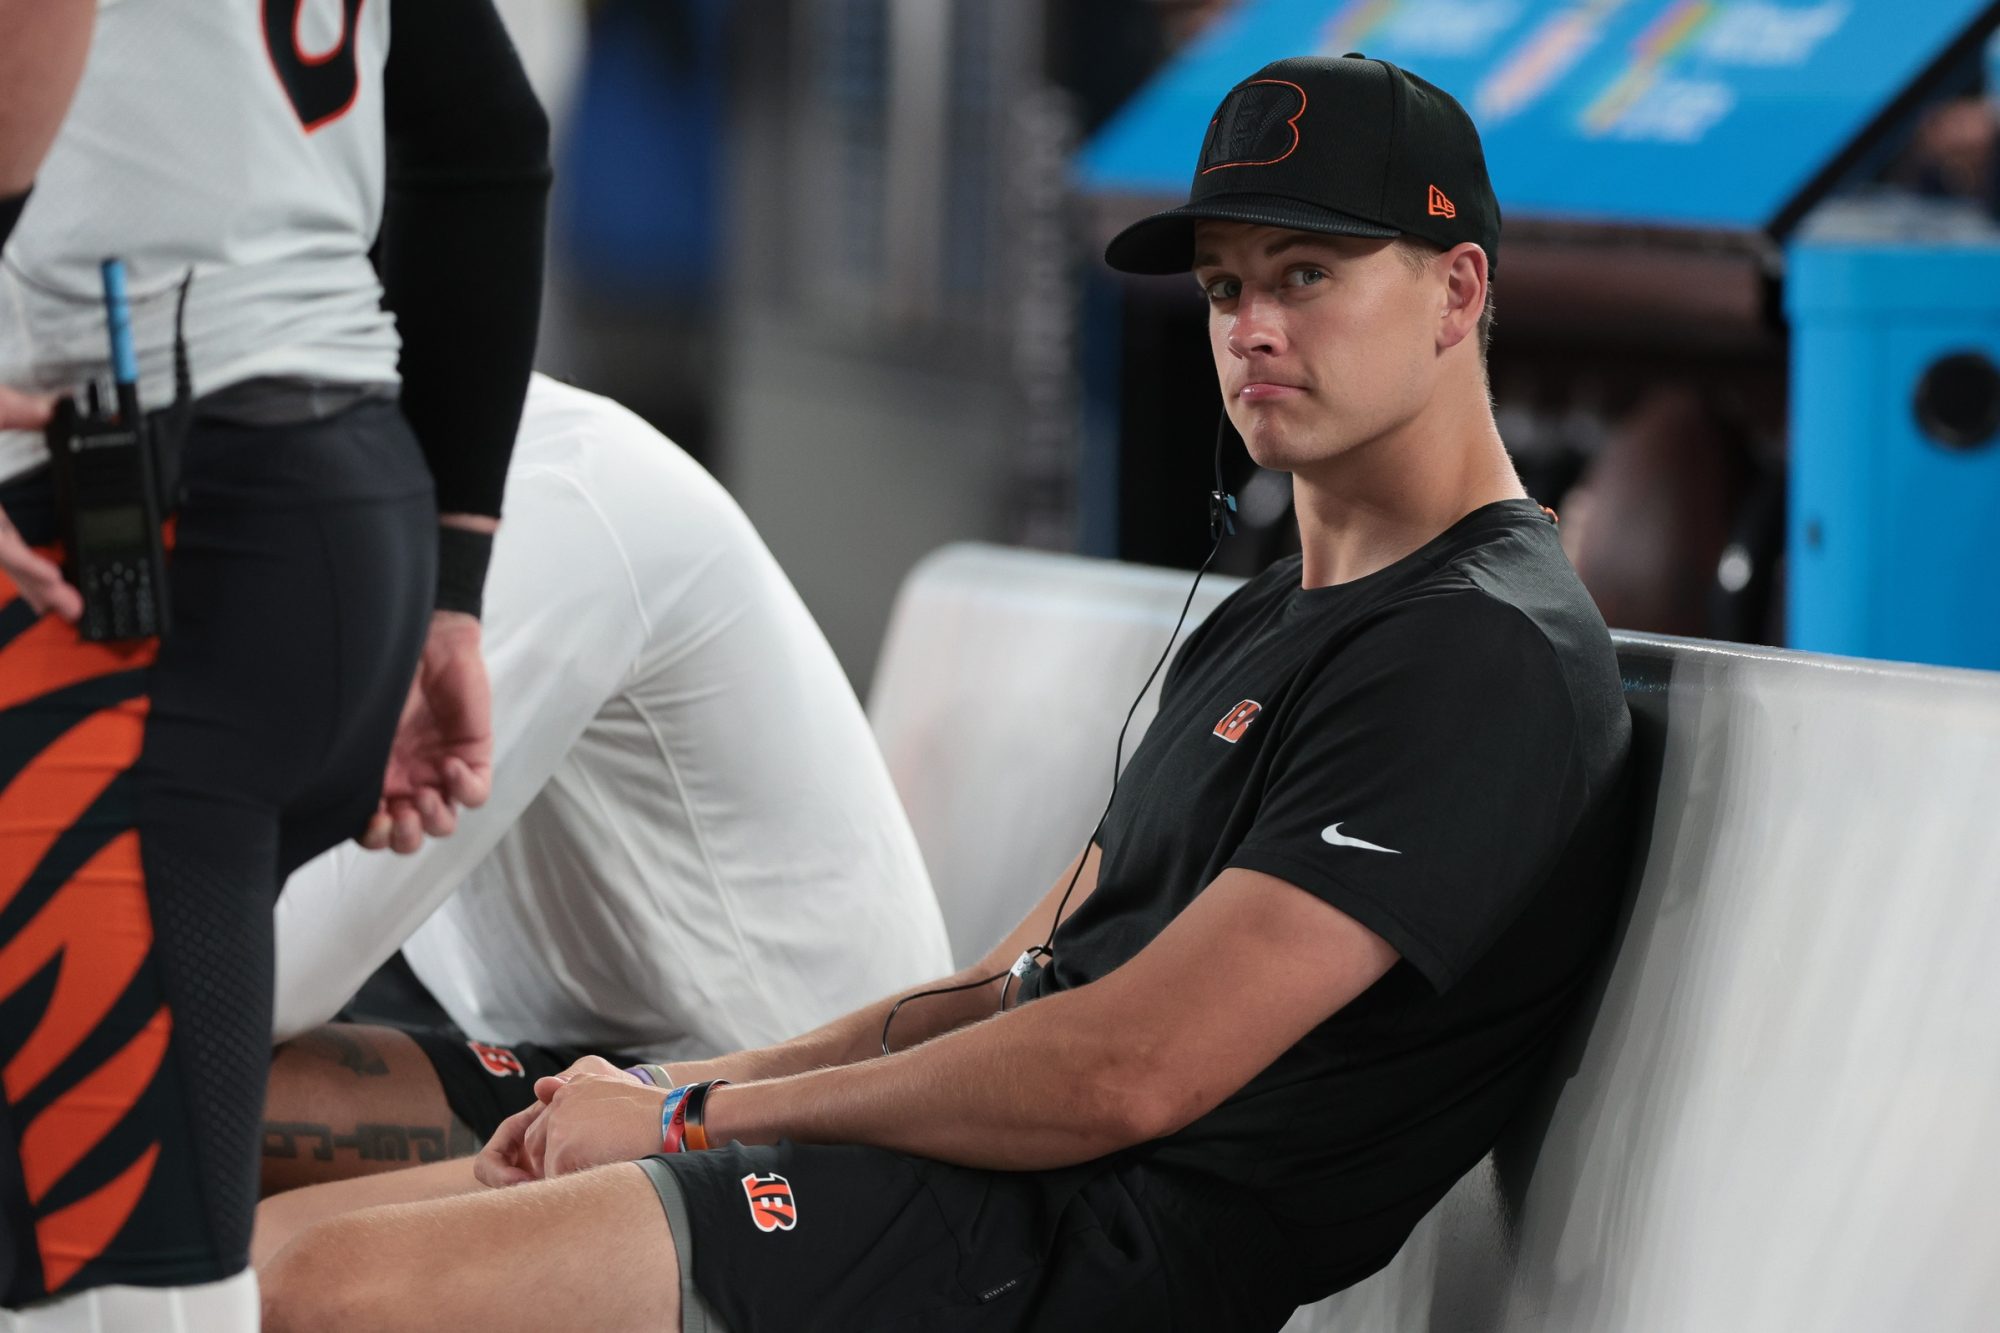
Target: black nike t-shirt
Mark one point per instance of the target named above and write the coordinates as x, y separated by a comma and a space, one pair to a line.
1437, 750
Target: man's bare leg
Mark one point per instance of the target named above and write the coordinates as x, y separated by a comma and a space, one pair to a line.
281, 1217
590, 1251
347, 1100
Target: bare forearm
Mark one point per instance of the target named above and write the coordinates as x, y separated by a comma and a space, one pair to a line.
858, 1036
1245, 972
1032, 1089
41, 60
852, 1038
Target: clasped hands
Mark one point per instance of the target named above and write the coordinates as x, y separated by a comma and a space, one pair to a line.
592, 1114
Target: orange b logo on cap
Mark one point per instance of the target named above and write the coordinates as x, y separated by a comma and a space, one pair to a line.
1442, 207
1257, 125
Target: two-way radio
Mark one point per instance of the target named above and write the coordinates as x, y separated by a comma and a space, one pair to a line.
110, 496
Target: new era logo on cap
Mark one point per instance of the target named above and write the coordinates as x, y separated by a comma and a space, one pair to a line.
1441, 207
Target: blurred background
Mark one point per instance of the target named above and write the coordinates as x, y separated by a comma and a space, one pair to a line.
1748, 305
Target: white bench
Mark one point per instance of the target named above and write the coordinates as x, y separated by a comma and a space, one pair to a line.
1778, 1105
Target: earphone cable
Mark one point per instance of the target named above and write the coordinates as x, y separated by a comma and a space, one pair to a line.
1221, 505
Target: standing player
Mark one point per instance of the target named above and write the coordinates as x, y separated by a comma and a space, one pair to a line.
692, 844
1331, 924
154, 793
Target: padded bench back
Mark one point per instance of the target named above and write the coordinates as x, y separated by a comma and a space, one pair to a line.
1778, 1104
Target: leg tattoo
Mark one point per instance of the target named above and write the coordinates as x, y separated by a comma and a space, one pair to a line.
349, 1101
344, 1046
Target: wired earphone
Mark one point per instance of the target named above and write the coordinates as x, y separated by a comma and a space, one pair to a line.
1221, 523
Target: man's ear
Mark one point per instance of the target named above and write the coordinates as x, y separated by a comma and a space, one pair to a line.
1465, 293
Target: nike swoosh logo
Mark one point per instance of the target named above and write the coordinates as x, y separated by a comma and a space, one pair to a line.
1331, 833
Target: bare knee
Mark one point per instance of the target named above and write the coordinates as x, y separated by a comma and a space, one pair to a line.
279, 1218
594, 1245
319, 1283
283, 1216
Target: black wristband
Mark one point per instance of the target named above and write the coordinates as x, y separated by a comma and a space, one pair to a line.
10, 212
462, 558
694, 1129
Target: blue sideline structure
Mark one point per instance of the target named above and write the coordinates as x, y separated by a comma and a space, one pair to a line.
1775, 1107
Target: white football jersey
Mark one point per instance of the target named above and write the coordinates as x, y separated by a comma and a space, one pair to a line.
241, 138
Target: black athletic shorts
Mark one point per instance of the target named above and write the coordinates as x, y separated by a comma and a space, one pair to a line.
484, 1082
153, 797
791, 1237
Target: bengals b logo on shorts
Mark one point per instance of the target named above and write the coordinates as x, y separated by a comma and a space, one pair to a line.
1238, 720
771, 1204
499, 1061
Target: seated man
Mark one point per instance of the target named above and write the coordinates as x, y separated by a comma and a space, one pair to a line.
1312, 960
692, 843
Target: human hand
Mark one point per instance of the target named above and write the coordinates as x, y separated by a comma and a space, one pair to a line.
36, 577
593, 1119
505, 1160
511, 1156
545, 1088
24, 411
442, 757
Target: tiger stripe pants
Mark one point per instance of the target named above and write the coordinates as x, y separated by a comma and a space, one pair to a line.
153, 797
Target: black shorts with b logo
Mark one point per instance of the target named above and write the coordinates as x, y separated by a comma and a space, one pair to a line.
791, 1237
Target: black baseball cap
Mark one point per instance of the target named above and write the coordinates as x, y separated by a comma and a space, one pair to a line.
1348, 146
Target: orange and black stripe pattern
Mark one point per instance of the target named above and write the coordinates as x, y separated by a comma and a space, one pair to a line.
82, 1030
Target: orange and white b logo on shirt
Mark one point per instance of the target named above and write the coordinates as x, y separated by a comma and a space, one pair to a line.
1232, 727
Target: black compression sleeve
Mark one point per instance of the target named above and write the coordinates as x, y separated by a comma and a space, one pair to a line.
10, 212
462, 236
